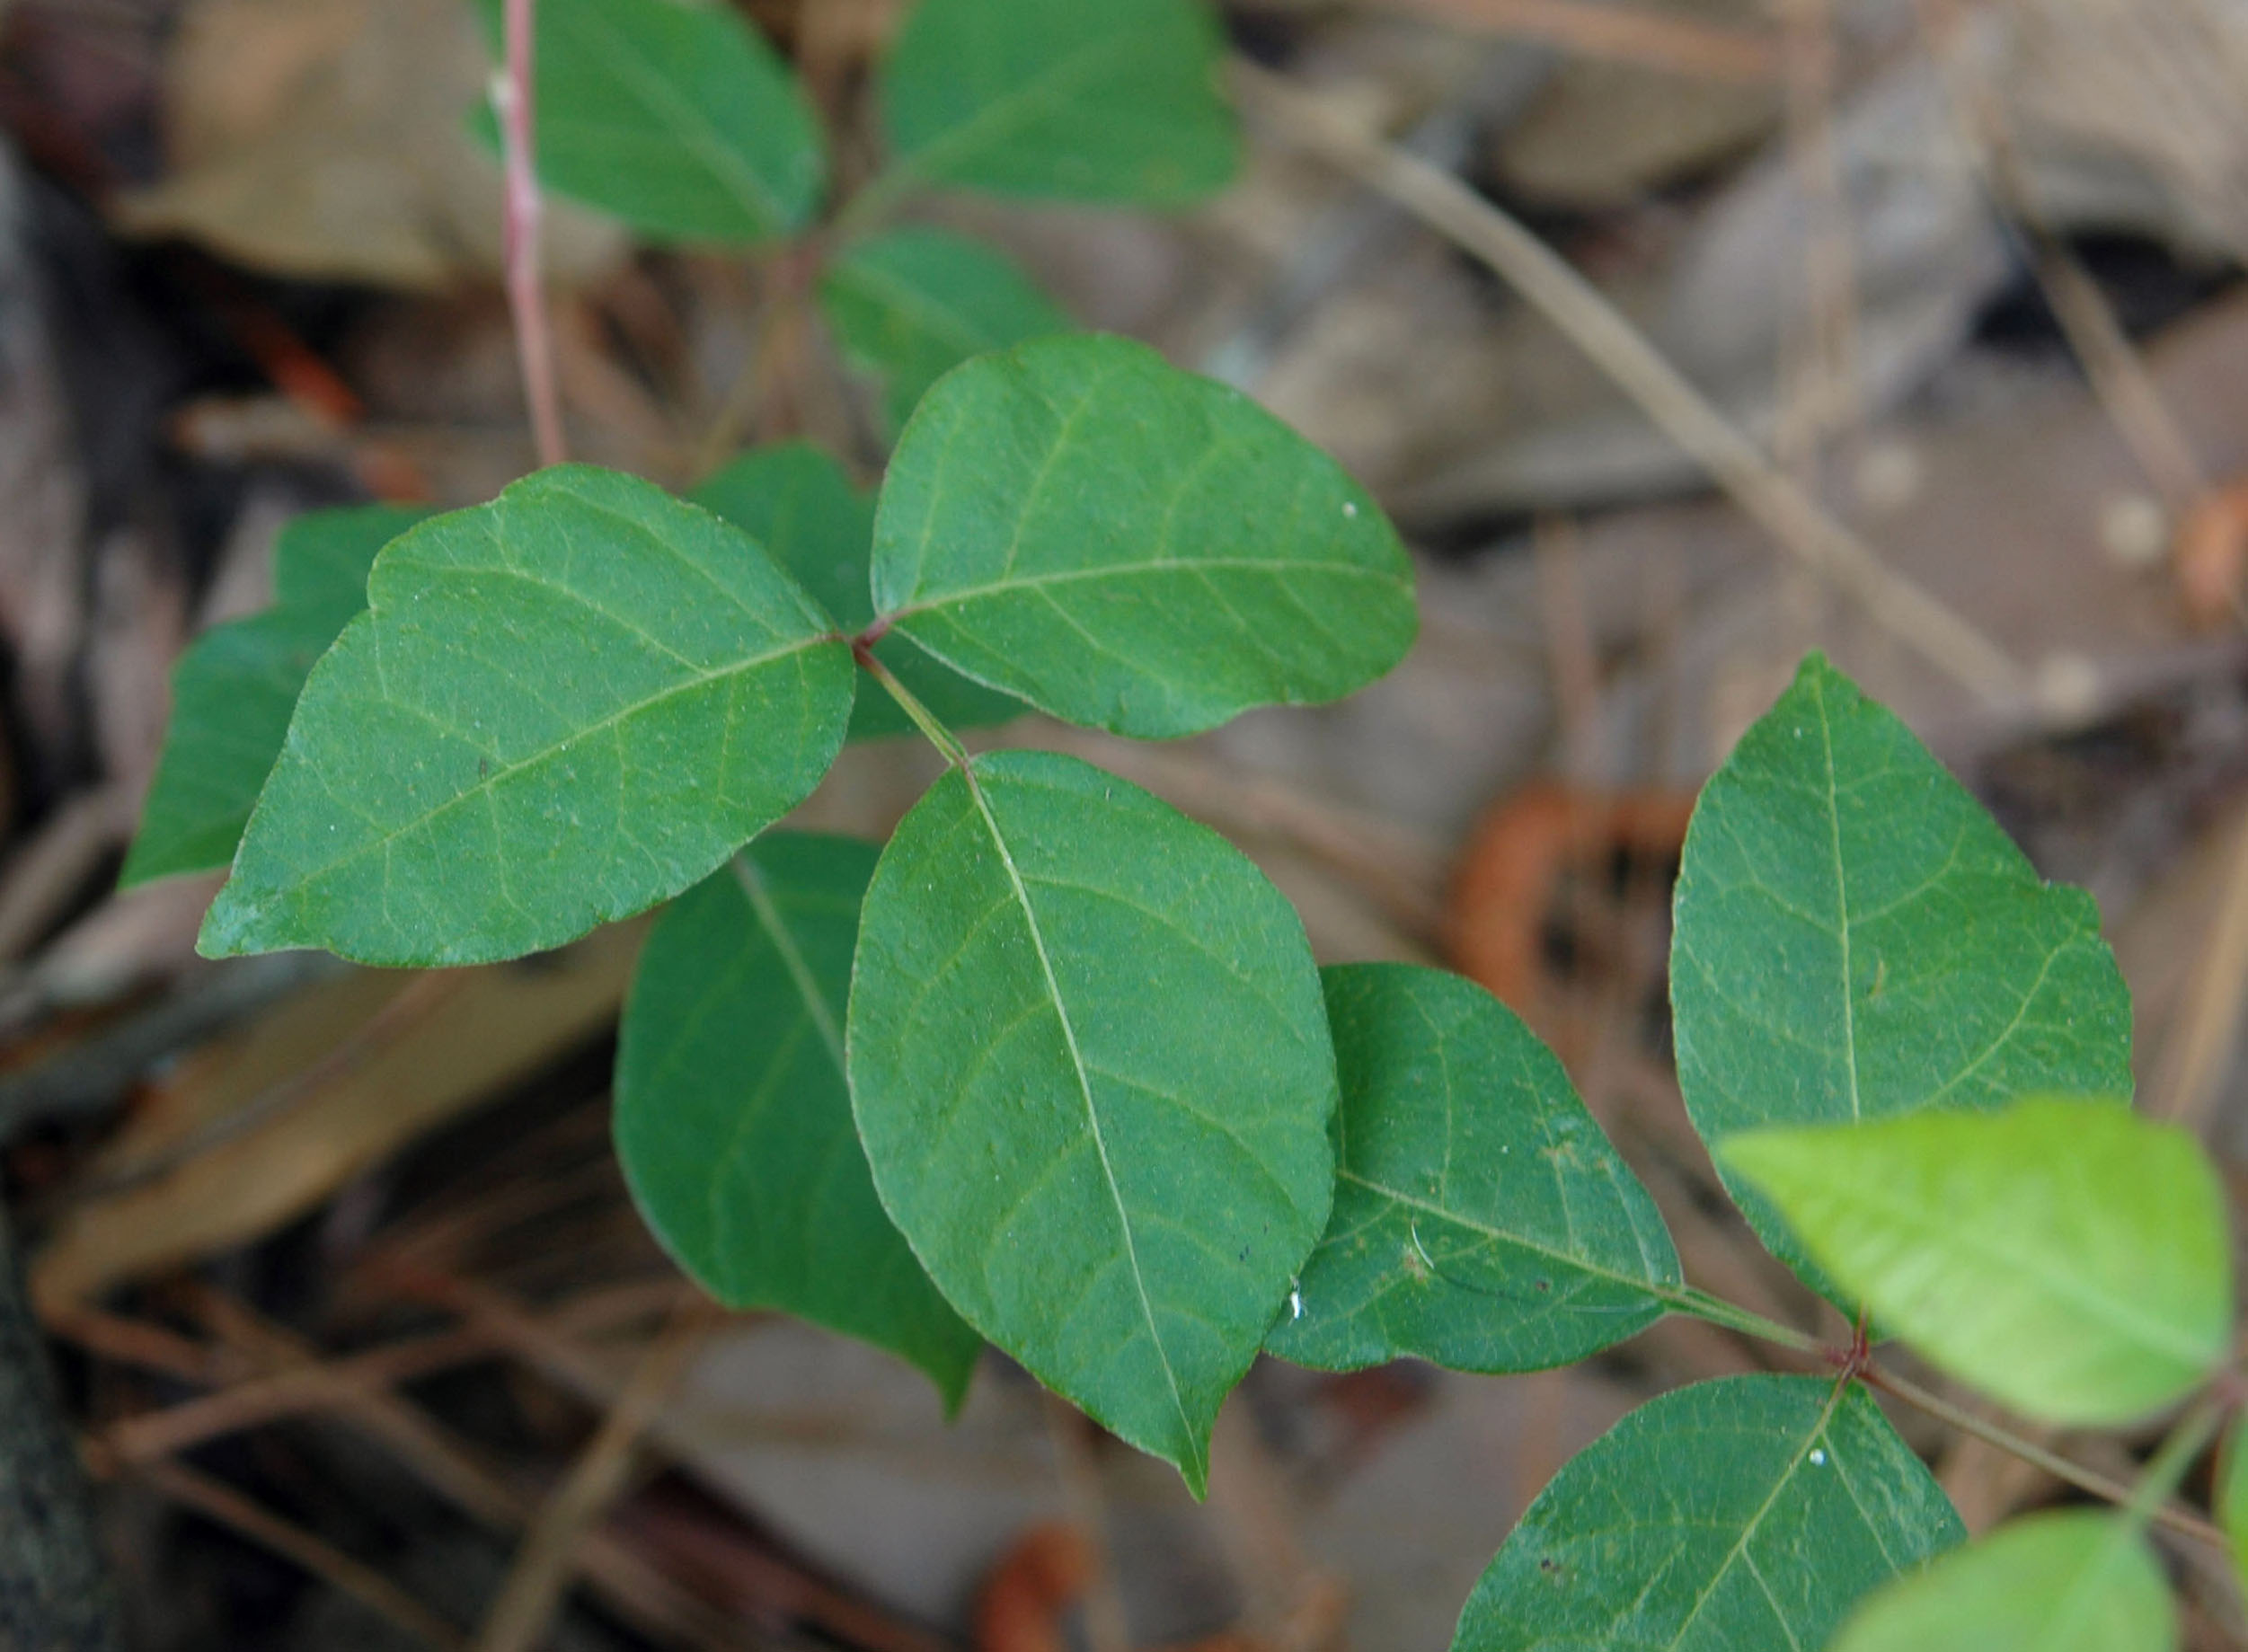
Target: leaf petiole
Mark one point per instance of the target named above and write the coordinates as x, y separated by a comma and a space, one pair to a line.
1717, 1311
925, 720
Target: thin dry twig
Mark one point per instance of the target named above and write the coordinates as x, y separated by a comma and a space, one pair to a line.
1624, 35
548, 1557
216, 1500
2201, 1051
2119, 376
1918, 619
515, 99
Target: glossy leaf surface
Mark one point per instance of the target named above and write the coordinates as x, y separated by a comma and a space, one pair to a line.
911, 306
1750, 1511
1482, 1220
2077, 1581
233, 692
796, 501
733, 1118
1855, 939
1103, 101
560, 709
2067, 1257
674, 115
1093, 1078
1130, 547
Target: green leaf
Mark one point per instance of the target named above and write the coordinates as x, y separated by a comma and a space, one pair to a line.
1101, 101
1482, 1221
1093, 1078
1737, 1515
911, 306
673, 116
2231, 1501
2077, 1581
733, 1118
1130, 547
797, 502
233, 692
560, 709
1855, 939
2067, 1257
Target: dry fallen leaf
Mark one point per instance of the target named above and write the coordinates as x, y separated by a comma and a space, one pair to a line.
328, 139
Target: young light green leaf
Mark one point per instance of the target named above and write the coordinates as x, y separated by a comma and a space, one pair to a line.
1092, 1075
560, 709
1855, 939
1747, 1512
733, 1118
233, 692
1102, 100
1482, 1221
911, 306
2075, 1581
672, 115
2068, 1258
796, 501
1130, 547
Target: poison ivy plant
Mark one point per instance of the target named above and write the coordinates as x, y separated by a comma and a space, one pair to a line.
1115, 102
734, 1117
1752, 1512
2067, 1257
1856, 940
673, 116
1482, 1221
911, 306
1141, 551
797, 502
2074, 1582
233, 692
1055, 1068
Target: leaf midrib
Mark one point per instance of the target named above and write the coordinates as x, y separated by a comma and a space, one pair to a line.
935, 158
1085, 1089
692, 127
1671, 1294
1287, 567
486, 784
948, 324
791, 956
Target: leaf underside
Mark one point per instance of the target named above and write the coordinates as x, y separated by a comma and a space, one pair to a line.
1096, 101
2075, 1581
797, 502
910, 306
560, 709
1747, 1512
678, 119
733, 1118
1482, 1220
233, 692
1132, 548
1855, 939
2067, 1257
1092, 1075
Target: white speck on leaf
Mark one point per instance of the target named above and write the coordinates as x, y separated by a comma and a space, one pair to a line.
1819, 1458
1349, 510
1296, 1303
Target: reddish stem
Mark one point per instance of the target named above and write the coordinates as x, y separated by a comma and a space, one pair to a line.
515, 97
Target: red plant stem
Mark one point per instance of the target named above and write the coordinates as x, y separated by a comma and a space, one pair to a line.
515, 97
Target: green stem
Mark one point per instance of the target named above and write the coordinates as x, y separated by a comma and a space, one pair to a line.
924, 719
866, 209
1717, 1311
2152, 1491
2169, 1464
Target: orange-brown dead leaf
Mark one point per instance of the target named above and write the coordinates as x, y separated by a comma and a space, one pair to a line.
2210, 558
